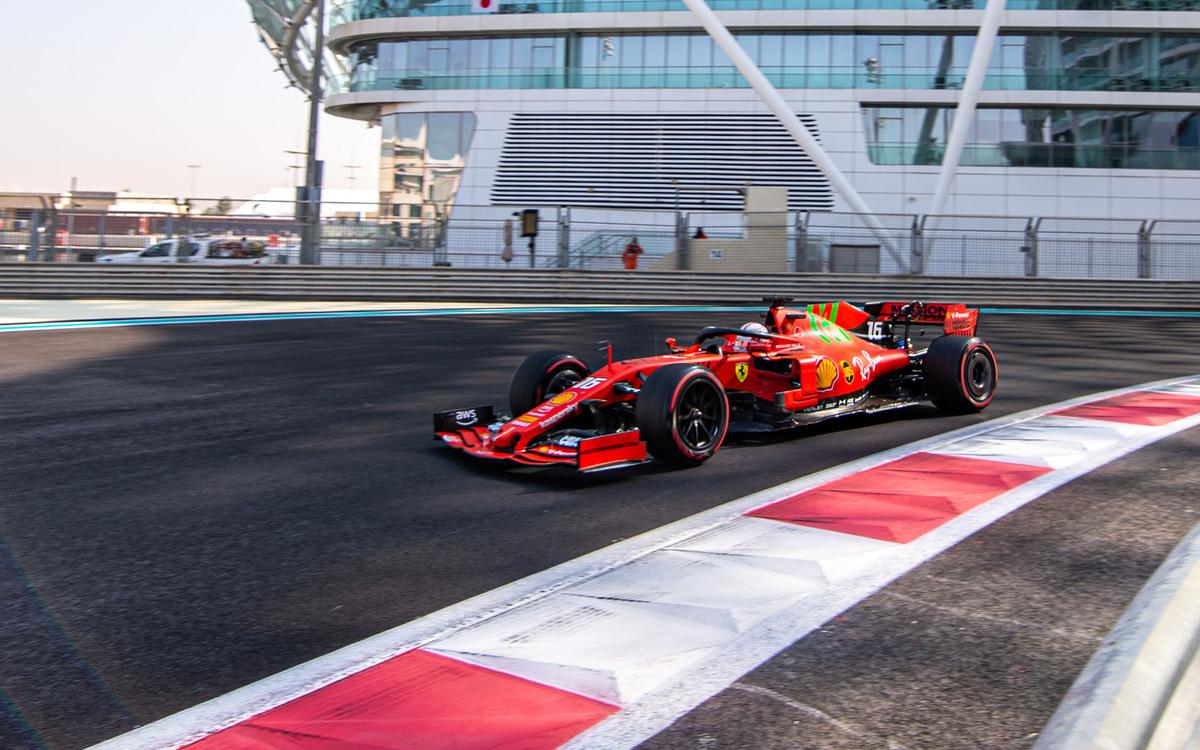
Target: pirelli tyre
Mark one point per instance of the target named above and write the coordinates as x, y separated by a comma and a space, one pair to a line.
542, 375
683, 414
960, 373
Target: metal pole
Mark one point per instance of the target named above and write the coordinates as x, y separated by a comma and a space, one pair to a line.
49, 247
682, 260
1031, 245
309, 250
801, 243
564, 236
1144, 231
780, 108
917, 266
36, 229
964, 114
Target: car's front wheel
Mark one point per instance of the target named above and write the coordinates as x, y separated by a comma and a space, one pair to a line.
542, 375
683, 414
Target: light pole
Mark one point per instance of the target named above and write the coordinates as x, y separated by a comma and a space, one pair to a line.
294, 168
310, 246
194, 168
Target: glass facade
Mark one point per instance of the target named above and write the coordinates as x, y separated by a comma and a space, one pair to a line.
1056, 61
1012, 137
356, 10
424, 154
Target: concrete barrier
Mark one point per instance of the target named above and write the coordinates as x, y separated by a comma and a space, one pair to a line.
1142, 687
386, 284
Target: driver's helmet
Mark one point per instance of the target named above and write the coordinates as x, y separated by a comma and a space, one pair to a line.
741, 343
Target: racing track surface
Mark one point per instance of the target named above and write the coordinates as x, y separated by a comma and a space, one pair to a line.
186, 509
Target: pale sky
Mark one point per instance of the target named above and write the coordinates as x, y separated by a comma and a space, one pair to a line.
125, 94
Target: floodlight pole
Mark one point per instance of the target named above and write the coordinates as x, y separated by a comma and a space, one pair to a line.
310, 244
780, 108
964, 114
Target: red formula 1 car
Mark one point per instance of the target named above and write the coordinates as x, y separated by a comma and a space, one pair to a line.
802, 366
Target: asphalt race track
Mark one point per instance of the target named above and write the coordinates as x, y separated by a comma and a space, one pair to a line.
187, 509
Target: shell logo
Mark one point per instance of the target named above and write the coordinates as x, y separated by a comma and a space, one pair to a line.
563, 398
827, 373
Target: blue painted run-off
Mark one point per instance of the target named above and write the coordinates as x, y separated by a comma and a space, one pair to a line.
260, 317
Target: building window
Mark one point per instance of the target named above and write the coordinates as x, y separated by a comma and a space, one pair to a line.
1026, 137
426, 153
1065, 61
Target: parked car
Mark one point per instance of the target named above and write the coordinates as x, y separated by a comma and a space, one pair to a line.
200, 250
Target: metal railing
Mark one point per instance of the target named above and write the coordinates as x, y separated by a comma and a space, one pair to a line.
1024, 78
358, 10
594, 239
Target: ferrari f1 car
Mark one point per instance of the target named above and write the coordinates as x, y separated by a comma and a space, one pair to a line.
801, 366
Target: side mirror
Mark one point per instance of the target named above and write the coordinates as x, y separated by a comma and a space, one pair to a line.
671, 343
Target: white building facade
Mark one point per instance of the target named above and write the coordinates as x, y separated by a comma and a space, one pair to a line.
1090, 108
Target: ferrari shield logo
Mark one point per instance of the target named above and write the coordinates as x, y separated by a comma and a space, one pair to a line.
742, 370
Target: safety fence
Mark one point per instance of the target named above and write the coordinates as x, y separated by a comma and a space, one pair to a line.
56, 229
559, 286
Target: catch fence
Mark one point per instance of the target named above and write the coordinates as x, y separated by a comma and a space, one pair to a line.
42, 230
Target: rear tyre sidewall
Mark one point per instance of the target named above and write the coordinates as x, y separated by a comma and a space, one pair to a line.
960, 374
541, 375
671, 436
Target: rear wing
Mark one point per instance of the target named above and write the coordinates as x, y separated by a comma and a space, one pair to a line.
954, 318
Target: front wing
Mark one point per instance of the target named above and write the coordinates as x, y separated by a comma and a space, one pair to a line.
584, 454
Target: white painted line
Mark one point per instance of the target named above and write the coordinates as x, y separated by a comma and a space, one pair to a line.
709, 646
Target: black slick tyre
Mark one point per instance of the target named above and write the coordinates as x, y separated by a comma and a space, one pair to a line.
960, 373
683, 414
542, 375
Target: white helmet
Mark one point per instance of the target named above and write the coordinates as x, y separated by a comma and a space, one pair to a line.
755, 328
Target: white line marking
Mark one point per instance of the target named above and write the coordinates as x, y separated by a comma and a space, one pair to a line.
666, 701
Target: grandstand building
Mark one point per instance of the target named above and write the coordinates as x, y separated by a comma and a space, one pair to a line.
1090, 108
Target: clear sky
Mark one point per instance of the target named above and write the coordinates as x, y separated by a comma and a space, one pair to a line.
125, 94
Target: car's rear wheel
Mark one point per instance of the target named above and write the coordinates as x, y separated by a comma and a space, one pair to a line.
683, 414
542, 375
960, 373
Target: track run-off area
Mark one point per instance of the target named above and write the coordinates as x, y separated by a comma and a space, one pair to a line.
187, 510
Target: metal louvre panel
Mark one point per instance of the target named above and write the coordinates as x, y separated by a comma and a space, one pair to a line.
654, 161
